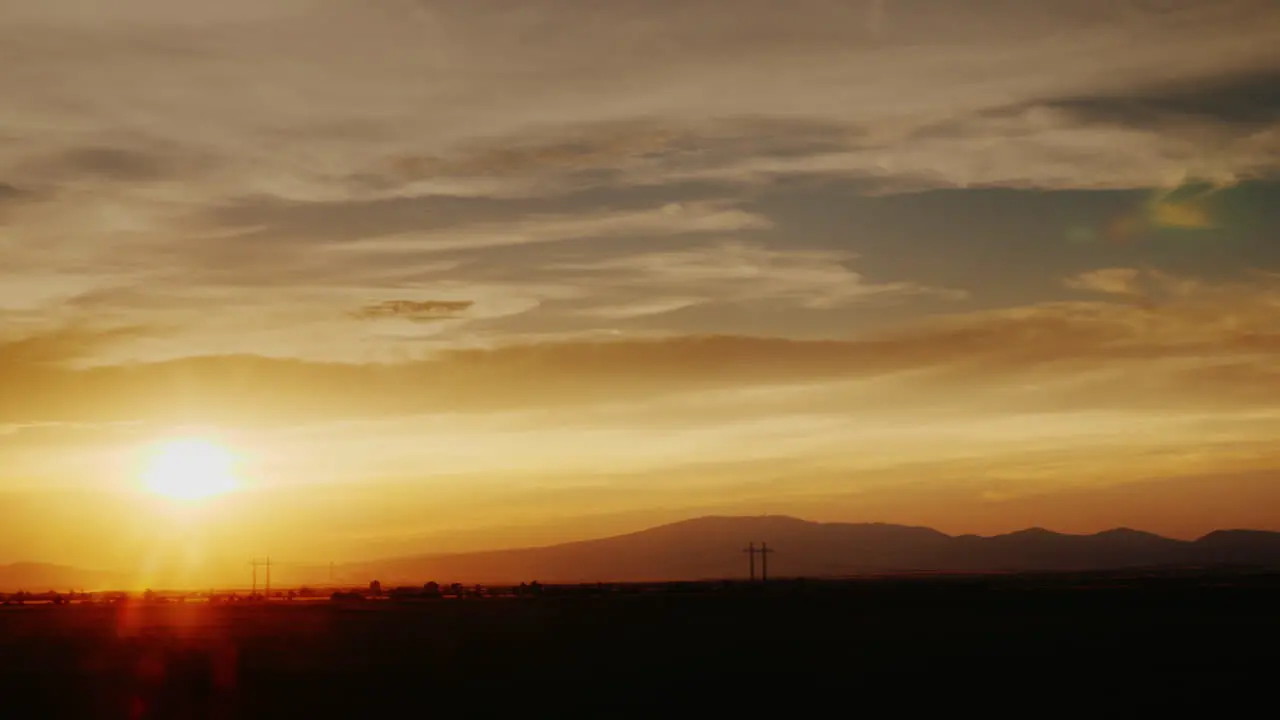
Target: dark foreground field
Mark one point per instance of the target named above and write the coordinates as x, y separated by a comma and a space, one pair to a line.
1030, 647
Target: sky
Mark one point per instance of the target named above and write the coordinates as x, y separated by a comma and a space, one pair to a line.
459, 274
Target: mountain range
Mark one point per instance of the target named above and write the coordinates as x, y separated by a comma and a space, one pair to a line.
712, 548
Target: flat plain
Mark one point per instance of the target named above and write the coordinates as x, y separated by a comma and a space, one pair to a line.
1104, 642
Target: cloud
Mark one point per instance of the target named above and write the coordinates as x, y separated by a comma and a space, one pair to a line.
742, 272
59, 431
1077, 354
310, 212
515, 106
1240, 102
1182, 210
640, 308
268, 167
670, 219
246, 292
107, 163
1115, 281
415, 310
592, 146
58, 346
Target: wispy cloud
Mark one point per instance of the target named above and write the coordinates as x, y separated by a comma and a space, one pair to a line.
671, 219
1129, 352
1115, 281
368, 123
742, 272
269, 167
348, 84
640, 308
416, 310
502, 235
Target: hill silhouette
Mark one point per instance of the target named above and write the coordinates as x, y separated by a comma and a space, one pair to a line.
710, 547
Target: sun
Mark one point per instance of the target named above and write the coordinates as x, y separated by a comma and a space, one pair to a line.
190, 469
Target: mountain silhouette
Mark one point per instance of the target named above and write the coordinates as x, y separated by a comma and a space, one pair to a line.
711, 547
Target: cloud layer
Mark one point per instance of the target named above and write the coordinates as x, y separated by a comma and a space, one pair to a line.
175, 157
484, 237
1133, 339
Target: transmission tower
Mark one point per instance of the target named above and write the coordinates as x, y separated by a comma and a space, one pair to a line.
266, 563
764, 561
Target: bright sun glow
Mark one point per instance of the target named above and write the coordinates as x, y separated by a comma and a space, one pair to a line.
190, 469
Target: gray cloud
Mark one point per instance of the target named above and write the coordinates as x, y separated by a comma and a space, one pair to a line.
347, 86
110, 163
415, 310
270, 166
1240, 102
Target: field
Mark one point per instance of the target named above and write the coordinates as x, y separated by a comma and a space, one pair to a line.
1038, 644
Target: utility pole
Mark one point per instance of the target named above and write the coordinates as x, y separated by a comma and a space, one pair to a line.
255, 562
751, 551
764, 561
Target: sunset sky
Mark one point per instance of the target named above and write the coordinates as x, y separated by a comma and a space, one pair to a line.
459, 274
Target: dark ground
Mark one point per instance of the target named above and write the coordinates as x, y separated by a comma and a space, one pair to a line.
1032, 647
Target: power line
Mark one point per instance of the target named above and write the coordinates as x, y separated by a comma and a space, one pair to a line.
255, 562
764, 561
764, 550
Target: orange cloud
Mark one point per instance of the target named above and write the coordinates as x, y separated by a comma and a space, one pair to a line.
1181, 327
1115, 281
